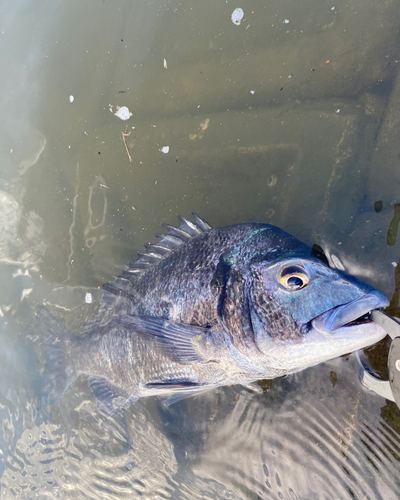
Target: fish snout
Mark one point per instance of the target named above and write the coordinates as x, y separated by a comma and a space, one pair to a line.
353, 313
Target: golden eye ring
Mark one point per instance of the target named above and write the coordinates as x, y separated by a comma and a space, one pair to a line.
293, 278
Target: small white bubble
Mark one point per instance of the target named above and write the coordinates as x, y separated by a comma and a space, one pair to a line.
286, 21
165, 149
88, 298
394, 264
338, 111
252, 91
71, 98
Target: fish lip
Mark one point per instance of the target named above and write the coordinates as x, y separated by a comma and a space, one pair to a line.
343, 315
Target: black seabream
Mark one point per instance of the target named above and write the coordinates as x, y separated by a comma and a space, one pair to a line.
208, 307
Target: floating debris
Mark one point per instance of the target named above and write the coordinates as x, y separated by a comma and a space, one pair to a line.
123, 113
165, 149
88, 298
337, 263
71, 98
165, 64
124, 136
237, 16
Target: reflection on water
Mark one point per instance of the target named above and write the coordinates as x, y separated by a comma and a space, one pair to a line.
302, 439
298, 445
289, 116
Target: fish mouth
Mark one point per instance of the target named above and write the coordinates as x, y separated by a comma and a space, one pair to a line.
352, 317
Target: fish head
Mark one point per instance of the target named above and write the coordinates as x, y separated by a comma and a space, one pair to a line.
303, 312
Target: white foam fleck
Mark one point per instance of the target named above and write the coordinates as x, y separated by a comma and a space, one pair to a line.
286, 21
88, 298
165, 149
123, 113
237, 16
71, 98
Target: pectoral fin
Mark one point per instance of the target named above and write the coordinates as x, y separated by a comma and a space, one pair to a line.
172, 338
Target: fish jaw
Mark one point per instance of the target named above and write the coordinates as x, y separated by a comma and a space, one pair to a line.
341, 321
328, 336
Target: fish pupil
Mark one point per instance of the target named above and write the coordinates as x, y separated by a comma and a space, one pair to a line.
295, 282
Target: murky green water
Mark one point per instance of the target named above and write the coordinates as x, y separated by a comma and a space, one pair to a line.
290, 117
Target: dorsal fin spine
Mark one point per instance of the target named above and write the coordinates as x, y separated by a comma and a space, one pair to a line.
149, 256
174, 237
201, 223
188, 226
154, 248
175, 231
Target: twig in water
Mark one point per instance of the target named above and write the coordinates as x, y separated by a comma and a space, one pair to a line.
124, 135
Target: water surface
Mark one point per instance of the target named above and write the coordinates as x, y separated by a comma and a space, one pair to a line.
289, 118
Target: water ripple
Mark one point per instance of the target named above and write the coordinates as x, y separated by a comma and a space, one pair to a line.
316, 442
94, 464
302, 440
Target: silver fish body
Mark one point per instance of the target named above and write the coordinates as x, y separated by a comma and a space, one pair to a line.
207, 307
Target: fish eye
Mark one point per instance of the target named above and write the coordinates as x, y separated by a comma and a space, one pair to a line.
293, 278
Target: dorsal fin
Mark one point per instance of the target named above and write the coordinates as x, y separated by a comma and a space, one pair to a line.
174, 237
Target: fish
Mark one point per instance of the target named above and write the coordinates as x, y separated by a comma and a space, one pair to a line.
207, 307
